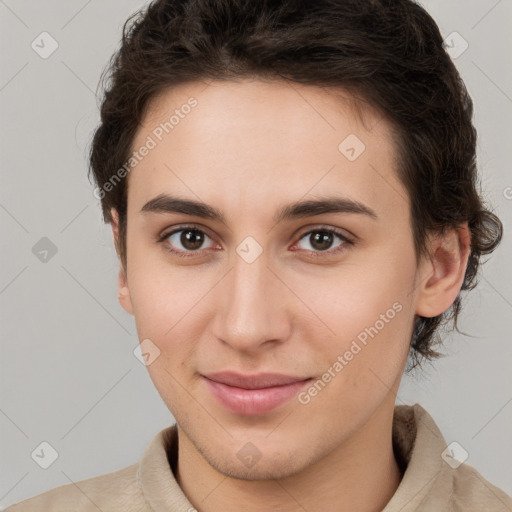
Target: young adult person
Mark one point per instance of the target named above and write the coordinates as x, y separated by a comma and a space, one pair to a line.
292, 189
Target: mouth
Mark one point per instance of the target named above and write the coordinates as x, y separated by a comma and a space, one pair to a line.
253, 395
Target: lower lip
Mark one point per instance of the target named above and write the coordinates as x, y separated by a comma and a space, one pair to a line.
253, 401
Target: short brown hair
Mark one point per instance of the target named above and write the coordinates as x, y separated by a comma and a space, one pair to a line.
390, 53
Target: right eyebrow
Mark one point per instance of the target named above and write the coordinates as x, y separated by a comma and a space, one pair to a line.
164, 203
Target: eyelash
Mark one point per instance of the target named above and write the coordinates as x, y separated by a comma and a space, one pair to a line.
315, 254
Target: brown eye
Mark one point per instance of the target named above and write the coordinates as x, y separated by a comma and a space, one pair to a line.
323, 239
185, 241
191, 239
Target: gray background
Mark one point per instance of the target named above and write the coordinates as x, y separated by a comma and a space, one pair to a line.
68, 373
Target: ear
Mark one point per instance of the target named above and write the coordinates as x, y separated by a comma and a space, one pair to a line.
442, 275
122, 282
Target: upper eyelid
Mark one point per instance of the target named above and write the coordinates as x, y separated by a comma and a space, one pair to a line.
166, 234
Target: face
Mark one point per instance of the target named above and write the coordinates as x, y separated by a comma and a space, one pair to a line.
323, 296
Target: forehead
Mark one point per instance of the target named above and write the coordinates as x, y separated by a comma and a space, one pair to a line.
252, 143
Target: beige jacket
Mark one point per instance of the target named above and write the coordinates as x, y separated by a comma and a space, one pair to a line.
432, 481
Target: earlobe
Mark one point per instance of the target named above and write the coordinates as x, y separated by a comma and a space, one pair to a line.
443, 274
122, 286
124, 292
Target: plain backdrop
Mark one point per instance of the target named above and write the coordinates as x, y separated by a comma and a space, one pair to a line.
68, 373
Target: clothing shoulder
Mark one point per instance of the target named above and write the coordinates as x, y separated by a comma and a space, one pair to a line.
431, 480
110, 492
471, 492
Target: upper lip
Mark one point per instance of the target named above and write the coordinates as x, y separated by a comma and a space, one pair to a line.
258, 381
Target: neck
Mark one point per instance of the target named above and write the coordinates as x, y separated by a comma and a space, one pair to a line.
361, 474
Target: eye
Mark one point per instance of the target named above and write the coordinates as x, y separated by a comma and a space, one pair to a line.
187, 239
321, 240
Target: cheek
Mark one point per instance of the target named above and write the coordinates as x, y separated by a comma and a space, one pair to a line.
161, 295
361, 365
169, 309
165, 311
369, 313
357, 299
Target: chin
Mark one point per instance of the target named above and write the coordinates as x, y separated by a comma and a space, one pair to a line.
274, 460
270, 469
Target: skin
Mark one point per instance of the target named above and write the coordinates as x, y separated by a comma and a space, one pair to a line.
248, 148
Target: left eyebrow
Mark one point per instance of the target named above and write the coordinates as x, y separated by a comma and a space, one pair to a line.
164, 203
311, 208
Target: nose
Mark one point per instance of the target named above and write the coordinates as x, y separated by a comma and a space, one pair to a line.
252, 310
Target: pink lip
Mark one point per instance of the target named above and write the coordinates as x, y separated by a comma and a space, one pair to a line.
253, 394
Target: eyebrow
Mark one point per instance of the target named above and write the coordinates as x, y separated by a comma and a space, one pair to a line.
165, 203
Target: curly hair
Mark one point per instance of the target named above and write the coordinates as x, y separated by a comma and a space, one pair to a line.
388, 53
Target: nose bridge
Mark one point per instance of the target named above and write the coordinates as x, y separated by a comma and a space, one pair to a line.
250, 312
249, 277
